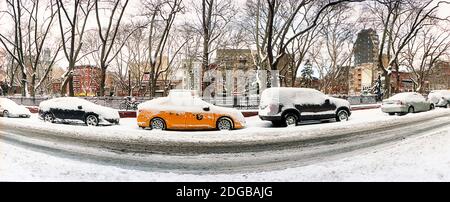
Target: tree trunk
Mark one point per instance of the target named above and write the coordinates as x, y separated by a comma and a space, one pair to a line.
103, 81
387, 85
68, 82
33, 83
24, 83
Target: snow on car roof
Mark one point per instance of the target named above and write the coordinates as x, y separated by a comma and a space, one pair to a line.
292, 96
409, 96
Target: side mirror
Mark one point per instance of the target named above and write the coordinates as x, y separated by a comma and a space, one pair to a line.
206, 109
80, 107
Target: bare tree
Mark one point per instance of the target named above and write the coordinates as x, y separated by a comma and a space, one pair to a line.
333, 55
15, 45
72, 34
108, 36
28, 45
422, 54
214, 19
400, 22
273, 33
161, 15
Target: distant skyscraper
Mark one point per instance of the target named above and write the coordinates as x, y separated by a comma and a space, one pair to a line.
366, 47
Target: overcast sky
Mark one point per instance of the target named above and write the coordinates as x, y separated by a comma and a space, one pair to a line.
134, 8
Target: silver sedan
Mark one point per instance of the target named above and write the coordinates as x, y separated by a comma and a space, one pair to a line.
405, 103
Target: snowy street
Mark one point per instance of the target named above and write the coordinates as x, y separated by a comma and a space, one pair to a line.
406, 153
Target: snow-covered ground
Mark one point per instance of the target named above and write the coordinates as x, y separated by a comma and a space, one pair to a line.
128, 127
423, 158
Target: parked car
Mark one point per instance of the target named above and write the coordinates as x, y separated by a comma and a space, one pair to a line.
405, 103
440, 98
9, 108
289, 106
69, 109
183, 111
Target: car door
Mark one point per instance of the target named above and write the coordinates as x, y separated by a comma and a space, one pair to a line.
78, 112
174, 114
418, 102
303, 103
328, 108
58, 110
424, 104
313, 105
201, 116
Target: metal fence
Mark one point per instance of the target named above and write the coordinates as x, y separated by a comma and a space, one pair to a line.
238, 102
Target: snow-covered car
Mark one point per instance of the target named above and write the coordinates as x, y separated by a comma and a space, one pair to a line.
70, 109
9, 108
440, 98
289, 106
405, 103
182, 111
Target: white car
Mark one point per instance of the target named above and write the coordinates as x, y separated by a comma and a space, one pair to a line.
405, 103
440, 98
70, 109
9, 108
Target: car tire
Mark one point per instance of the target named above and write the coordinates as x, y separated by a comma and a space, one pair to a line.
224, 124
48, 117
432, 107
342, 115
157, 124
411, 110
91, 120
391, 114
290, 120
5, 114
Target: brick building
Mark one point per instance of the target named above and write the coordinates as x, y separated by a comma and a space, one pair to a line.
86, 80
406, 83
440, 77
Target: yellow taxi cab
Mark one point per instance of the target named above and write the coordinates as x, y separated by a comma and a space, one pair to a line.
187, 113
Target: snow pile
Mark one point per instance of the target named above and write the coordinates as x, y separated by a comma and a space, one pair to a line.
13, 108
72, 103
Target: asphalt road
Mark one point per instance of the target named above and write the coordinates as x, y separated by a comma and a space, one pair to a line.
269, 157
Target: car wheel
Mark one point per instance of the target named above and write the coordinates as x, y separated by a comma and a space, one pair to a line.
91, 120
5, 113
157, 124
291, 120
224, 124
342, 115
391, 114
49, 118
410, 110
432, 107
